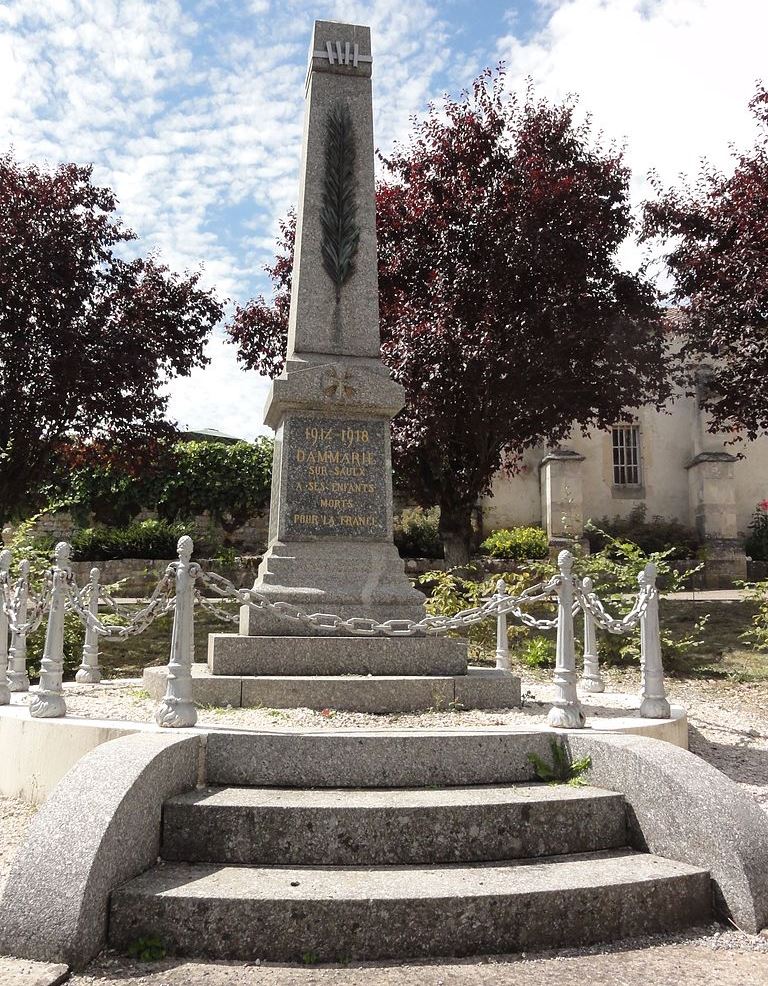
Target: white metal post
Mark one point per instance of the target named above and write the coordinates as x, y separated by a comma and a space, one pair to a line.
502, 639
89, 671
5, 691
177, 708
49, 699
591, 679
654, 703
566, 711
18, 679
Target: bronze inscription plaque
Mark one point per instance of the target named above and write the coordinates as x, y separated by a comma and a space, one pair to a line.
335, 473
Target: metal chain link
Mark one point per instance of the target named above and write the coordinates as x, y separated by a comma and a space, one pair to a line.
160, 602
364, 626
591, 604
37, 603
211, 607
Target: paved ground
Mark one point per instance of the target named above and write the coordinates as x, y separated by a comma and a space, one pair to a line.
710, 957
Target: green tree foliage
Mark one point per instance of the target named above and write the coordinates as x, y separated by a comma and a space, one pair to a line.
715, 239
504, 312
87, 336
231, 482
517, 543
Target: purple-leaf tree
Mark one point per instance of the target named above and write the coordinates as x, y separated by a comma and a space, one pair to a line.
715, 233
86, 336
503, 310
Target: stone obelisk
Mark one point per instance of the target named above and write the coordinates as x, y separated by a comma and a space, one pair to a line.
330, 536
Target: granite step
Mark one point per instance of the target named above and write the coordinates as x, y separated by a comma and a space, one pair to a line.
230, 654
478, 688
356, 758
376, 827
334, 913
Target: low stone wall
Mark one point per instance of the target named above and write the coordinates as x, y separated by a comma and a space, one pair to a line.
250, 537
138, 576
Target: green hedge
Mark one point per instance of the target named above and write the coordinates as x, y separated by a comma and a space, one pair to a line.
231, 482
517, 543
151, 539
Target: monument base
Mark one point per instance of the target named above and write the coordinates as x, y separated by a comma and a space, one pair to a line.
478, 688
233, 654
341, 579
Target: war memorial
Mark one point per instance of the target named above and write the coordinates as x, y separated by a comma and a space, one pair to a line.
339, 845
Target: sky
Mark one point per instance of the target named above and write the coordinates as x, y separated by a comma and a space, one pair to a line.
191, 110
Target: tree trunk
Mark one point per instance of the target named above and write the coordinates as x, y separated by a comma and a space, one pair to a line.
456, 533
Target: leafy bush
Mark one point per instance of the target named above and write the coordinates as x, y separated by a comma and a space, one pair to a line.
756, 545
518, 543
450, 592
537, 652
231, 481
151, 539
416, 533
659, 534
24, 545
614, 571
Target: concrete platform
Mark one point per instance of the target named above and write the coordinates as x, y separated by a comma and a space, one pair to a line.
230, 653
479, 688
336, 913
367, 827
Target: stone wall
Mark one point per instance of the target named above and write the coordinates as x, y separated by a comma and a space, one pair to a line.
137, 577
249, 538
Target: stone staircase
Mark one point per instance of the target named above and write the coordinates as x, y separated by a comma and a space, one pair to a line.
274, 868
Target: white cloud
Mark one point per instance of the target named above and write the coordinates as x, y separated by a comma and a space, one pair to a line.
671, 77
192, 111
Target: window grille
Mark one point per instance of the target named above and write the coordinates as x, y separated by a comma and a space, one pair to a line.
626, 455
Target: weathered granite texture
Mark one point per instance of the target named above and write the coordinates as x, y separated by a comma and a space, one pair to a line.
330, 535
315, 324
337, 913
355, 693
232, 654
99, 828
385, 759
269, 826
685, 809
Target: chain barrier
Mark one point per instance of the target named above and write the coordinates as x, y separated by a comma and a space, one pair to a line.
38, 604
160, 602
210, 606
590, 602
364, 626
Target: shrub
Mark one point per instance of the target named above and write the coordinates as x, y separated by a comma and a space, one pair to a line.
537, 652
416, 533
517, 543
659, 534
756, 545
450, 592
231, 481
150, 539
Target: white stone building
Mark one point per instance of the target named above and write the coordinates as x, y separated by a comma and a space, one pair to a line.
666, 461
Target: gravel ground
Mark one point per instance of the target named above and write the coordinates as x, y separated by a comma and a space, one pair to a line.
728, 728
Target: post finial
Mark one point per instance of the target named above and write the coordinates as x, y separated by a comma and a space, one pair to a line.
565, 562
648, 575
185, 547
62, 553
7, 535
501, 587
5, 560
587, 585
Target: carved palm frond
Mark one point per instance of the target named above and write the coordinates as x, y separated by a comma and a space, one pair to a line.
339, 210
